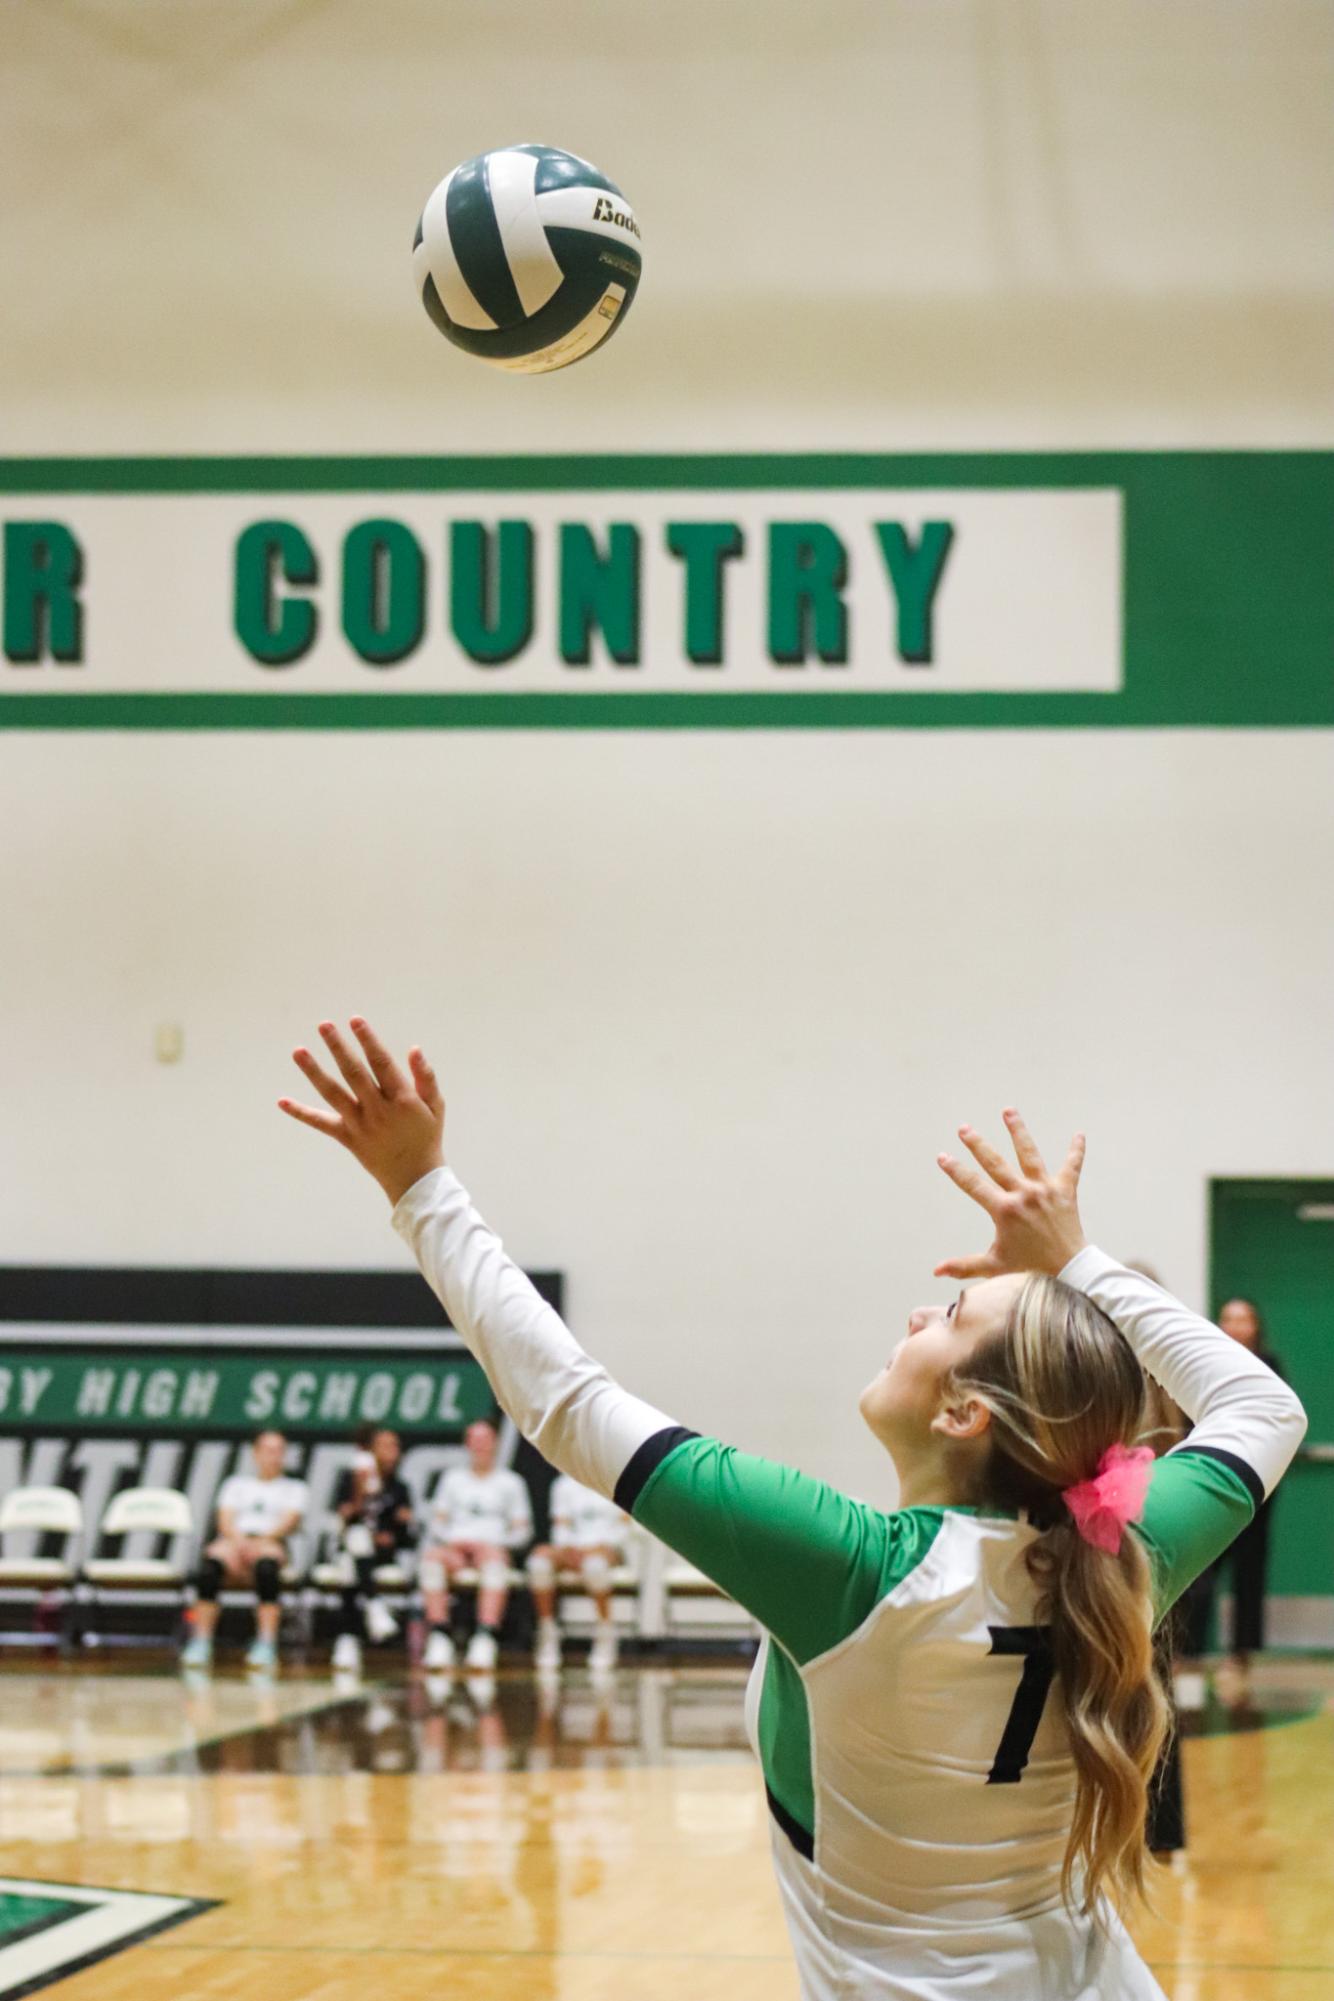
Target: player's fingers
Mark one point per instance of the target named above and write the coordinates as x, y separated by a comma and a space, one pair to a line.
986, 1156
308, 1115
972, 1183
328, 1087
980, 1267
424, 1077
383, 1067
1074, 1160
355, 1074
1025, 1146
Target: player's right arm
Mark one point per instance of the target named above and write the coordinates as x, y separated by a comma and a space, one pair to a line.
804, 1559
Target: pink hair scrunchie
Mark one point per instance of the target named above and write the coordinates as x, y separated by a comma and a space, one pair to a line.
1114, 1497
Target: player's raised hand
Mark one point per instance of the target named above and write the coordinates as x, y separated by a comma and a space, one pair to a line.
390, 1120
1035, 1214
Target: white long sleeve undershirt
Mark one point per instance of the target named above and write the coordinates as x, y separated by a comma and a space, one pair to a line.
581, 1420
558, 1396
1237, 1404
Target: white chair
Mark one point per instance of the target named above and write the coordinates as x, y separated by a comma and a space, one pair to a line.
336, 1572
147, 1514
142, 1511
37, 1511
693, 1601
33, 1512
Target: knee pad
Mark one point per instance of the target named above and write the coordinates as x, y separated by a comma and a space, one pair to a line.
493, 1575
541, 1571
597, 1571
209, 1581
267, 1580
432, 1575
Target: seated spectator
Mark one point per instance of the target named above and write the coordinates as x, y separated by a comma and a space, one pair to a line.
375, 1507
480, 1513
257, 1512
587, 1539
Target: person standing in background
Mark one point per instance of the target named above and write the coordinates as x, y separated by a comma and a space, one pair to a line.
1248, 1557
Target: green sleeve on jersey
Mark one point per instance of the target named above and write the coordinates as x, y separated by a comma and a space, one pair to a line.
807, 1561
1195, 1507
783, 1734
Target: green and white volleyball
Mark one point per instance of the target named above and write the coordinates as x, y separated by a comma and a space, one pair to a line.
527, 257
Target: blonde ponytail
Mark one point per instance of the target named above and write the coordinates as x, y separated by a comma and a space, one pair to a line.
1062, 1384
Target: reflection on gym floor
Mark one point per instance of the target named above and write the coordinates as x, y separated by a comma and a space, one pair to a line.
140, 1724
571, 1840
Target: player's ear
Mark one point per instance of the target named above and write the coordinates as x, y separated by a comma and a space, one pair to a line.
960, 1419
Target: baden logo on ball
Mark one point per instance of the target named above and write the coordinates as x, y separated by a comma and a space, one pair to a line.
527, 257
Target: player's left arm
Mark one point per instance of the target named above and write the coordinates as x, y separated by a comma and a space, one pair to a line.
806, 1560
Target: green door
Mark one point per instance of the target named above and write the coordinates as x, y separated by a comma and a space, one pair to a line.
1273, 1242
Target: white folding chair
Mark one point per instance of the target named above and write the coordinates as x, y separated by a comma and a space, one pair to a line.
33, 1512
693, 1604
145, 1515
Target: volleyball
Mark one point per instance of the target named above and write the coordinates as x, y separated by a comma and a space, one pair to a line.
527, 257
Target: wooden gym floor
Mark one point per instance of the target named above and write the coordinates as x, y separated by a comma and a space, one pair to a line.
400, 1840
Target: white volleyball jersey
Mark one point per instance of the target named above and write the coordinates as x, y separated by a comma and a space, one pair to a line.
260, 1507
918, 1776
581, 1518
483, 1507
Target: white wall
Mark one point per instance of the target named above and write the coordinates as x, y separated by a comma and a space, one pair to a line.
875, 223
707, 1005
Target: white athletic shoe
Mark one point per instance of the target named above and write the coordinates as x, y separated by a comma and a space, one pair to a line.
602, 1653
197, 1652
347, 1654
262, 1656
439, 1656
379, 1621
482, 1653
546, 1654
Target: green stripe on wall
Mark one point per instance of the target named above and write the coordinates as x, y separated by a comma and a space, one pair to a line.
1228, 604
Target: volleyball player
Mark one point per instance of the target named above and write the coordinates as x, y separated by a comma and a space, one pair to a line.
256, 1514
480, 1513
374, 1507
587, 1542
955, 1706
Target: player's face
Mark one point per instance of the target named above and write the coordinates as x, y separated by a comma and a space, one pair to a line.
901, 1401
269, 1450
1238, 1319
386, 1451
480, 1440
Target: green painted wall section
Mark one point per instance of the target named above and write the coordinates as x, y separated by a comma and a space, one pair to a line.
1228, 598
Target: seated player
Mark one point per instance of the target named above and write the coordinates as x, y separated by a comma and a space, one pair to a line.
375, 1506
588, 1540
480, 1513
257, 1512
